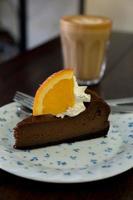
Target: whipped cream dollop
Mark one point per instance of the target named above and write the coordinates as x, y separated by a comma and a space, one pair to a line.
80, 97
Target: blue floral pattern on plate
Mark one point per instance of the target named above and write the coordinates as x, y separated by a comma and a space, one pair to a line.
68, 163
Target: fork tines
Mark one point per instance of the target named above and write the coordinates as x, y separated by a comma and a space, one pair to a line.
24, 99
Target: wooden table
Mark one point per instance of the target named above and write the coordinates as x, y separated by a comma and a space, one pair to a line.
25, 73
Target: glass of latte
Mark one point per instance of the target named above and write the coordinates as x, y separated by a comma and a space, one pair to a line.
84, 43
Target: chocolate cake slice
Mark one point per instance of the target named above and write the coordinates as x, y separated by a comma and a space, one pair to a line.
44, 130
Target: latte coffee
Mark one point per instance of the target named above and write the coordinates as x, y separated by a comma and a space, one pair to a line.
84, 44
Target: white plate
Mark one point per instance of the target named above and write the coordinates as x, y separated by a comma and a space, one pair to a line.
68, 163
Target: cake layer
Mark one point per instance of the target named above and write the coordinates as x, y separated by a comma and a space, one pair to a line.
46, 130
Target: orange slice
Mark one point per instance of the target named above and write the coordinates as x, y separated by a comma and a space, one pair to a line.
56, 94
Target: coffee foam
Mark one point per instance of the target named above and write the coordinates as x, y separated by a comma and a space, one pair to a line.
84, 20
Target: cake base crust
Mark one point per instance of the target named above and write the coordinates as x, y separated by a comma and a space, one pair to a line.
89, 136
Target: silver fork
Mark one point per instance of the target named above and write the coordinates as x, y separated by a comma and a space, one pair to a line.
25, 104
24, 99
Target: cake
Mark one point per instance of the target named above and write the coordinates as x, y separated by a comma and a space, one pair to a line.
48, 129
45, 130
